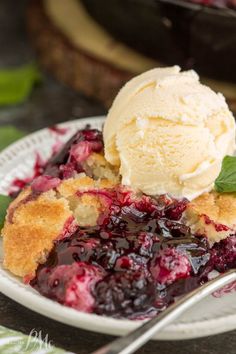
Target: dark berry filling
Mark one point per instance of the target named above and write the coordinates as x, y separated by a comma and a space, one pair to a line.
138, 258
223, 254
71, 284
44, 183
64, 163
146, 259
125, 294
221, 4
70, 158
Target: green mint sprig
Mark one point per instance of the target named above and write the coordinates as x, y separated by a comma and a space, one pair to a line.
226, 181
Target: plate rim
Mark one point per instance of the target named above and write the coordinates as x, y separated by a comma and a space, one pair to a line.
37, 303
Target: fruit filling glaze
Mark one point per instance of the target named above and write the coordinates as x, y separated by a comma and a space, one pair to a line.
138, 258
221, 4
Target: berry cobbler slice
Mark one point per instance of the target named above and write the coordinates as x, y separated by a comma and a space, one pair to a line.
80, 237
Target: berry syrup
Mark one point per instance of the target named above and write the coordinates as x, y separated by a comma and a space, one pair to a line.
144, 255
138, 258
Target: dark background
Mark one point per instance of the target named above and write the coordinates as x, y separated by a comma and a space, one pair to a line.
50, 103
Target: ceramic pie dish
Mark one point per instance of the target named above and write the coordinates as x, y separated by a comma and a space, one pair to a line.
17, 161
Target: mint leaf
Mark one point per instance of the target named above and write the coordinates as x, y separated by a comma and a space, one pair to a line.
4, 203
9, 135
226, 181
16, 84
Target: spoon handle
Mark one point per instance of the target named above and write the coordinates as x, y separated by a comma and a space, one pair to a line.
135, 339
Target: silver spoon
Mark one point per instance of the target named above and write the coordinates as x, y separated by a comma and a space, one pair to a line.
135, 339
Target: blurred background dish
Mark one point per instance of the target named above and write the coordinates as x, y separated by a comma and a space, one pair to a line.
96, 46
174, 31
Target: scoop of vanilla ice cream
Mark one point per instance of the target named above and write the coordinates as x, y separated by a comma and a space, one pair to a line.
169, 133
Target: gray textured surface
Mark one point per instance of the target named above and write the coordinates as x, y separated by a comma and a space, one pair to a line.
51, 103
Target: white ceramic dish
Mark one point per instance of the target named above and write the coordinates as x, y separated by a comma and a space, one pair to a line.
211, 316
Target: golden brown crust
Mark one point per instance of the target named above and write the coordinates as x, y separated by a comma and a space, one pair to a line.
101, 168
82, 184
87, 206
33, 224
213, 214
17, 202
87, 209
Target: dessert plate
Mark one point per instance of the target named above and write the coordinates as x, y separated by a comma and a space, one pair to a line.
211, 316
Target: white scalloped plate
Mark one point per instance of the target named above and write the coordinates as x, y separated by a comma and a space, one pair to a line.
211, 316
